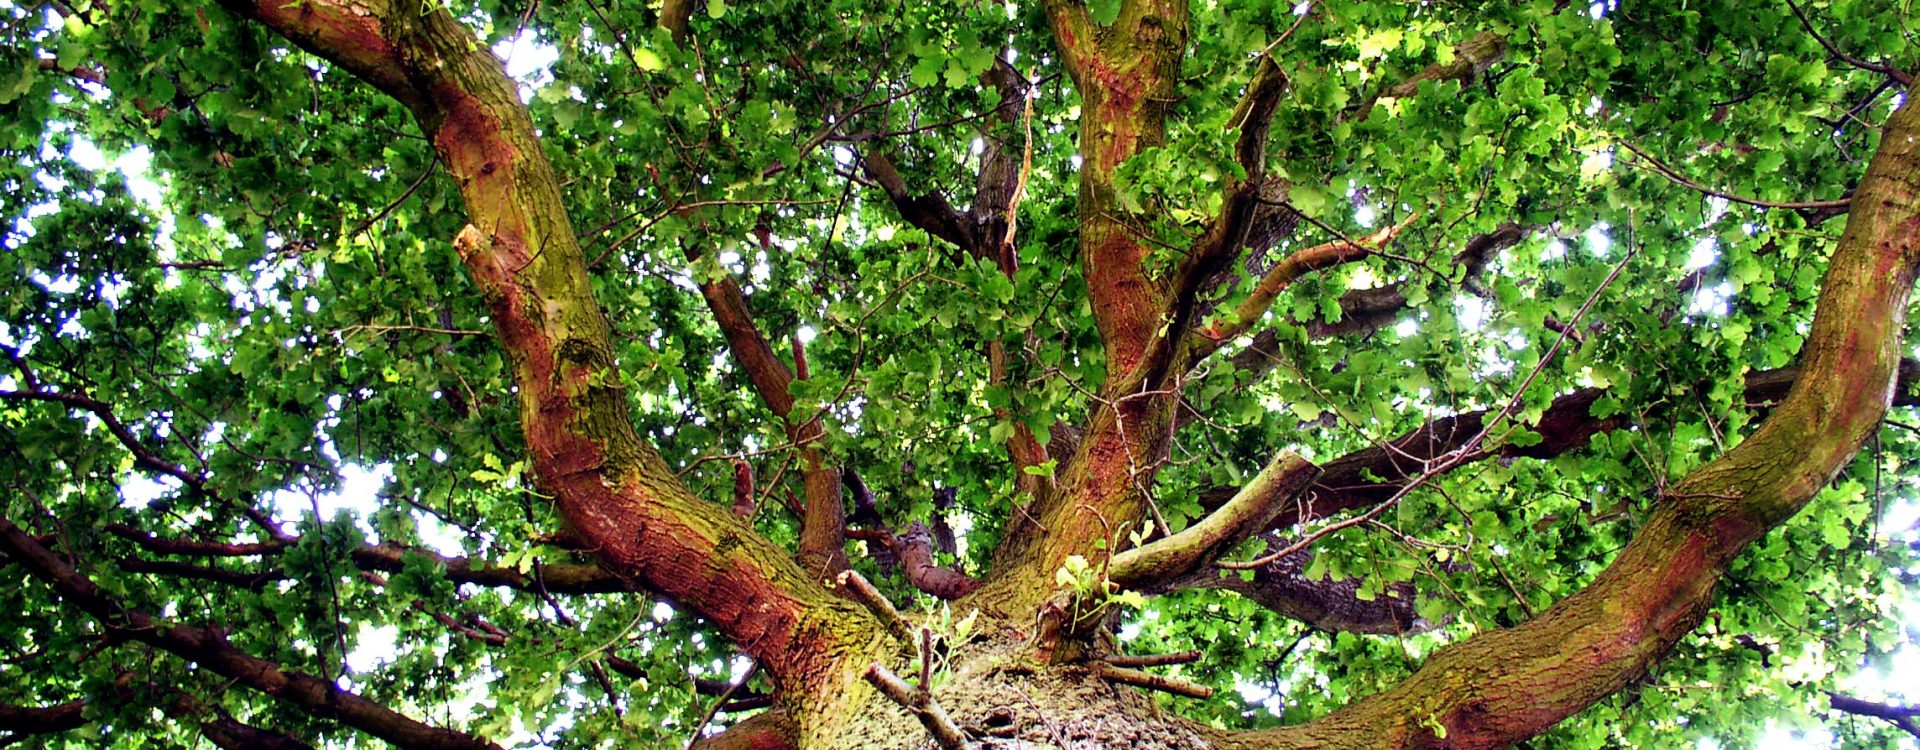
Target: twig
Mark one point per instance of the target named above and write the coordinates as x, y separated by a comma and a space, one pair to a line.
1141, 679
1153, 660
890, 618
1468, 451
1883, 69
920, 703
1676, 178
718, 703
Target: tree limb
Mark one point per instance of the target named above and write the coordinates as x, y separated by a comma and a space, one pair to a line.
1471, 59
208, 647
1906, 718
1370, 475
767, 730
1250, 512
919, 702
823, 515
1503, 686
1282, 275
611, 486
19, 722
556, 578
1332, 606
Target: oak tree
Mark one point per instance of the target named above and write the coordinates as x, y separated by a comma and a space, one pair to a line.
857, 374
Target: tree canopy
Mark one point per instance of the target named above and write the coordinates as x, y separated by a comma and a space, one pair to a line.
1118, 373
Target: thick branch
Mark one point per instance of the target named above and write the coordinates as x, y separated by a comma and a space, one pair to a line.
612, 488
1250, 511
1504, 686
229, 734
767, 730
823, 516
1906, 718
1282, 275
913, 552
931, 213
22, 721
208, 647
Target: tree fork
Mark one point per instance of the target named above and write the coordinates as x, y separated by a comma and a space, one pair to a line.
609, 484
1503, 686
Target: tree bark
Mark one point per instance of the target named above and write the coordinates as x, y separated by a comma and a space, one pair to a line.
611, 487
1505, 686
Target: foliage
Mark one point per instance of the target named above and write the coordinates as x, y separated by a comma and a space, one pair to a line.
258, 280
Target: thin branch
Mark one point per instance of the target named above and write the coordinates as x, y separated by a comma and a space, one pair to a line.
1674, 176
1282, 275
1905, 79
208, 647
1153, 660
720, 703
1471, 59
870, 597
1906, 718
919, 702
1136, 678
386, 557
1463, 454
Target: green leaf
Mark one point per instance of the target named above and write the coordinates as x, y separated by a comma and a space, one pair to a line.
1104, 12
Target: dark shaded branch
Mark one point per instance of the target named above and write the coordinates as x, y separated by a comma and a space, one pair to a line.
931, 213
1370, 475
1674, 176
208, 647
1364, 311
556, 578
19, 722
1332, 606
676, 16
1905, 79
1906, 718
229, 734
142, 457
